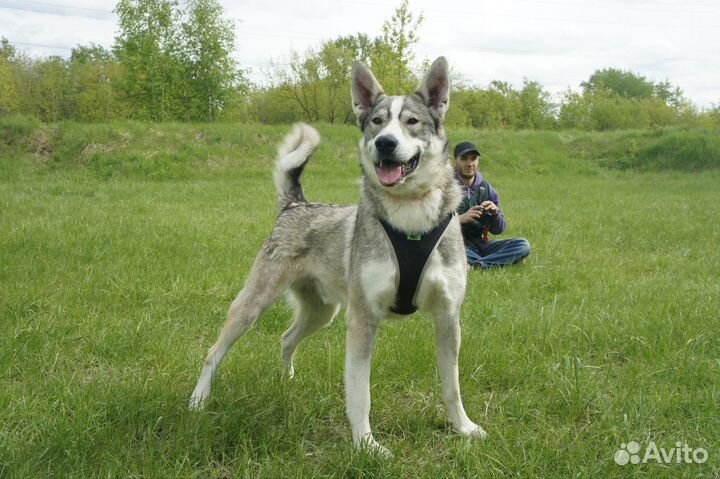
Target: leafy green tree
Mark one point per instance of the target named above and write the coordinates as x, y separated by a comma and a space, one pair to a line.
498, 106
51, 89
8, 95
8, 98
319, 81
536, 108
614, 99
711, 117
336, 58
7, 51
147, 48
92, 53
670, 94
624, 84
458, 115
609, 112
574, 111
236, 105
302, 83
272, 106
392, 54
94, 76
210, 71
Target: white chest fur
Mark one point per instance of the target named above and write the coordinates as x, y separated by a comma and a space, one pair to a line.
378, 279
442, 287
413, 215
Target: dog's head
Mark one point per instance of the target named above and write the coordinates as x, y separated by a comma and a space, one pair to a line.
403, 145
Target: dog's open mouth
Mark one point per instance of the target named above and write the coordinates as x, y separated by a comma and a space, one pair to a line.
391, 173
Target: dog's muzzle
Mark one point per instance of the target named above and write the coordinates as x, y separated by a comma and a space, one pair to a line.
390, 170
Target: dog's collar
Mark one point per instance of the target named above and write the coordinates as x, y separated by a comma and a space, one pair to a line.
411, 253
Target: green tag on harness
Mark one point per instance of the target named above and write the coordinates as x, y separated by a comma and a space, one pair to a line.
414, 237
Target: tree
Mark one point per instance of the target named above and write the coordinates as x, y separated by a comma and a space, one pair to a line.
624, 84
52, 86
615, 99
175, 64
711, 117
146, 47
272, 106
319, 80
210, 71
8, 98
392, 55
458, 115
536, 109
7, 51
574, 111
94, 76
336, 58
8, 95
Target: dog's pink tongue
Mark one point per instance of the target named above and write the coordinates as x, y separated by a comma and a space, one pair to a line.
389, 173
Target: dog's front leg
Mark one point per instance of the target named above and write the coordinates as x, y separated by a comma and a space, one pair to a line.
447, 342
360, 340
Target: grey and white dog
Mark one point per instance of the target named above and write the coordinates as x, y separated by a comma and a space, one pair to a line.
326, 256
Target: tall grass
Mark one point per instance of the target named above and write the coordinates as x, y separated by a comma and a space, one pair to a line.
115, 279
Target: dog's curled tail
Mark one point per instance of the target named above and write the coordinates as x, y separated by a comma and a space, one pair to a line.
293, 154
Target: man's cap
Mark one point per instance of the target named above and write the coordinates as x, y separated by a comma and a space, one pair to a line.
466, 147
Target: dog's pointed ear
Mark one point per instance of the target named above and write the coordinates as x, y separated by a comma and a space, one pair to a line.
435, 87
366, 90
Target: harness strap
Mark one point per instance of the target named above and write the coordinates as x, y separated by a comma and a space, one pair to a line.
412, 252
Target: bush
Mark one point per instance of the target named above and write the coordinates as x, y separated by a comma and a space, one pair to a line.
15, 130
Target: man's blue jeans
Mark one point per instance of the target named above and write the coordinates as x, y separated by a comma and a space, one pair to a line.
497, 253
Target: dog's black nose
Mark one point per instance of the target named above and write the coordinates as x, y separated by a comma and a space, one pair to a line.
386, 144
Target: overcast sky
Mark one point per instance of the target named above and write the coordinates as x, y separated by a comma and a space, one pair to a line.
558, 43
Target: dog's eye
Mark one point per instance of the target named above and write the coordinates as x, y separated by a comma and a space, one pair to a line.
377, 120
412, 121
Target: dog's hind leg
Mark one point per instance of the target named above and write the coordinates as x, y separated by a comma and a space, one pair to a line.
311, 314
265, 283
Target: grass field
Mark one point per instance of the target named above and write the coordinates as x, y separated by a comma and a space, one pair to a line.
122, 245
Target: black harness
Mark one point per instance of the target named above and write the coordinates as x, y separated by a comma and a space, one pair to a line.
412, 252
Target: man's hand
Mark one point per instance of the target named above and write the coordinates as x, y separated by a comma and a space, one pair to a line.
474, 213
477, 212
489, 208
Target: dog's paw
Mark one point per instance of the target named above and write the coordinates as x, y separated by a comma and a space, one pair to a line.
289, 371
371, 446
378, 450
472, 430
478, 433
197, 402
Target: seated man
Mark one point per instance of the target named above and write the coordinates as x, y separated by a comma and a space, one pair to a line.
480, 214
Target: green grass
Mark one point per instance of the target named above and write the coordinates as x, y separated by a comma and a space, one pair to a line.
122, 245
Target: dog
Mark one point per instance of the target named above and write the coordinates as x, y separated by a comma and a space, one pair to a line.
326, 256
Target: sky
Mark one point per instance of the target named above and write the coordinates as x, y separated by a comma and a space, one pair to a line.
558, 43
